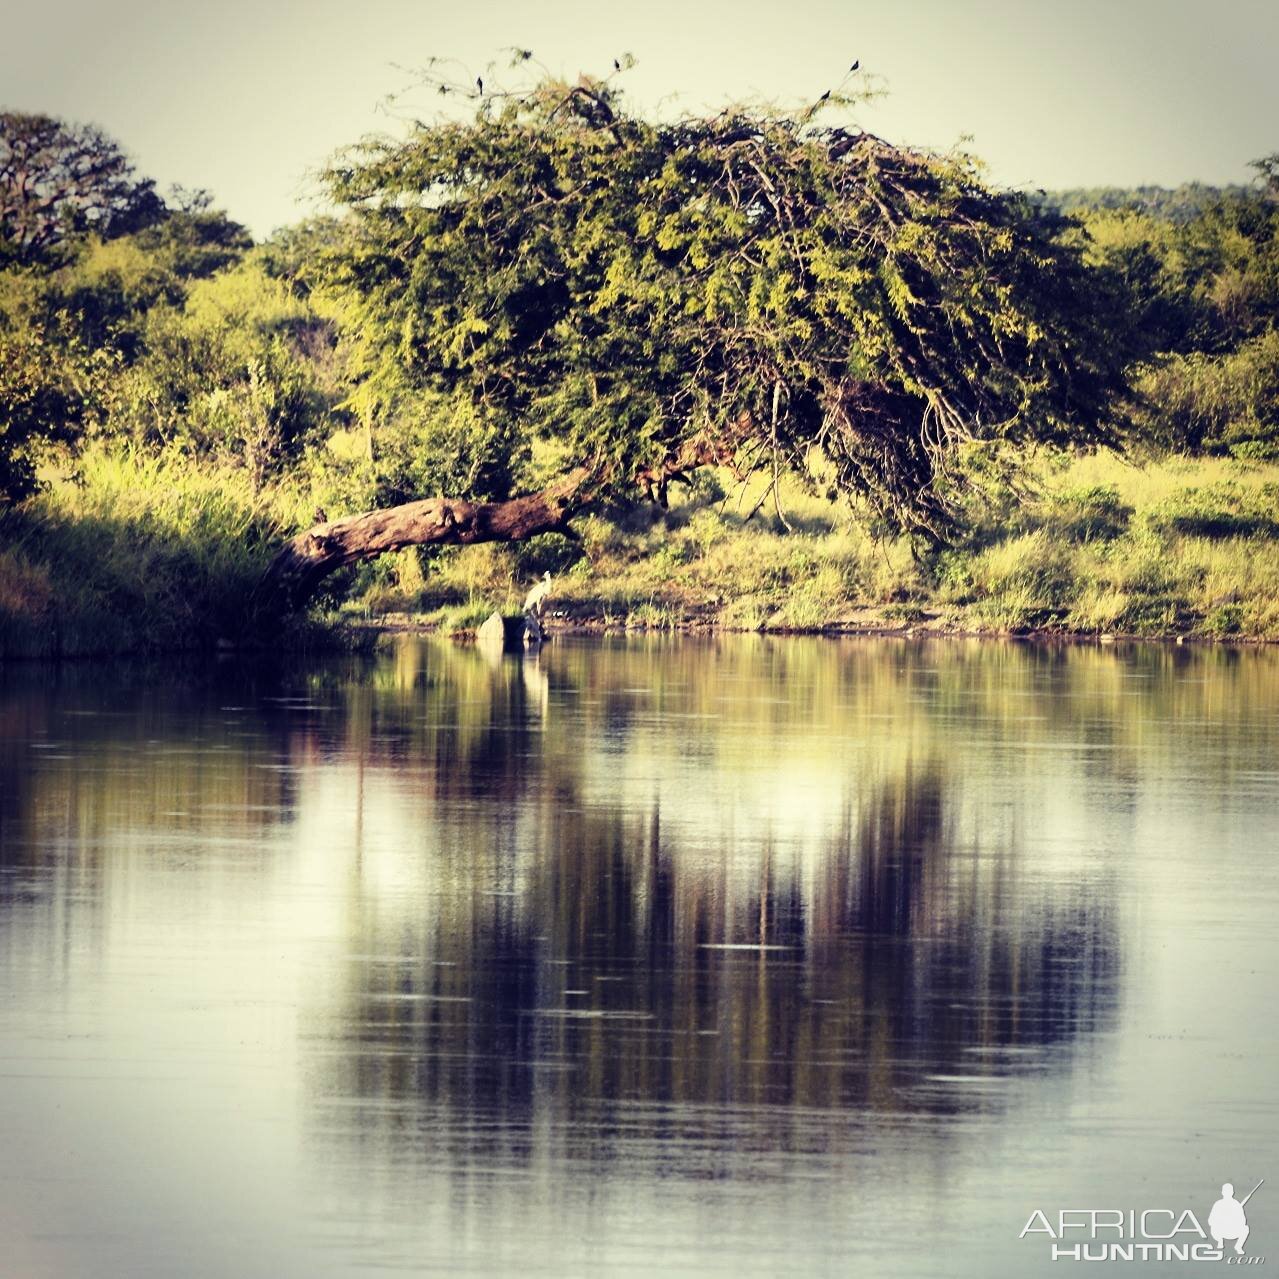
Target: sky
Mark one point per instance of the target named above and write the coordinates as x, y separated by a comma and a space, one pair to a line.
247, 98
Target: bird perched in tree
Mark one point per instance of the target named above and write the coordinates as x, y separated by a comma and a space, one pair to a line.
617, 66
824, 96
479, 84
536, 597
321, 516
856, 63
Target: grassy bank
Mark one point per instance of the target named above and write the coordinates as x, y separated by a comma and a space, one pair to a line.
137, 553
133, 552
1090, 545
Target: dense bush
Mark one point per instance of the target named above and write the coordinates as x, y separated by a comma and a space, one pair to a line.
1222, 510
1201, 403
134, 552
1088, 513
48, 387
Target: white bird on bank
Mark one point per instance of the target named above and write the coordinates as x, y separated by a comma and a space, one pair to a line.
534, 599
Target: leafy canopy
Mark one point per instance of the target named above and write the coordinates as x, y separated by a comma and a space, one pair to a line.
59, 181
642, 291
94, 267
1205, 293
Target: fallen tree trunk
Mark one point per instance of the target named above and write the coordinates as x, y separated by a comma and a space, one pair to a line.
296, 572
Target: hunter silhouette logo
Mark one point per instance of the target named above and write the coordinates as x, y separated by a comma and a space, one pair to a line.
1149, 1234
1227, 1220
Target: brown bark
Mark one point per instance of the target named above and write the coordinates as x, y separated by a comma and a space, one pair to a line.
304, 562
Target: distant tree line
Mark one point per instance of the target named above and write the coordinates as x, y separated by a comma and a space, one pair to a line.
1182, 203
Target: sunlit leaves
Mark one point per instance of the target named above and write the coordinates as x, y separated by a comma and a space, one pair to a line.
622, 285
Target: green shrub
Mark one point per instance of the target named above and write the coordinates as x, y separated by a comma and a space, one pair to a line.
138, 553
1225, 619
1220, 510
1216, 403
1088, 513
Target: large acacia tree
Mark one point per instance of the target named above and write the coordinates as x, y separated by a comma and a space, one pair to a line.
754, 286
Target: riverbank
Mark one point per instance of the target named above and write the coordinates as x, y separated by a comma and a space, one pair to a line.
132, 552
138, 554
1087, 546
872, 627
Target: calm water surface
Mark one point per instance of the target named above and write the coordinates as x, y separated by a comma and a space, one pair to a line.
738, 957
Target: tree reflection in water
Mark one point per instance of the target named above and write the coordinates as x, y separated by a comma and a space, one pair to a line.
409, 946
579, 956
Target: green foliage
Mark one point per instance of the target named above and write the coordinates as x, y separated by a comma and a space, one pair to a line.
1205, 283
195, 240
291, 253
1149, 256
428, 443
1087, 513
61, 181
137, 552
1224, 620
96, 261
1215, 403
1223, 510
47, 387
236, 371
1172, 204
102, 291
757, 281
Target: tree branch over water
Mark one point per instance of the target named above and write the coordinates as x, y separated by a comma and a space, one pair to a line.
305, 561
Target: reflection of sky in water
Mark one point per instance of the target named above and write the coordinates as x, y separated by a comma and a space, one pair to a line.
718, 956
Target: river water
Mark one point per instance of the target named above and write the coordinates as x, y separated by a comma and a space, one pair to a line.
744, 956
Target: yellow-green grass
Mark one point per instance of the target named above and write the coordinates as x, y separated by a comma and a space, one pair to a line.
135, 551
1091, 544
